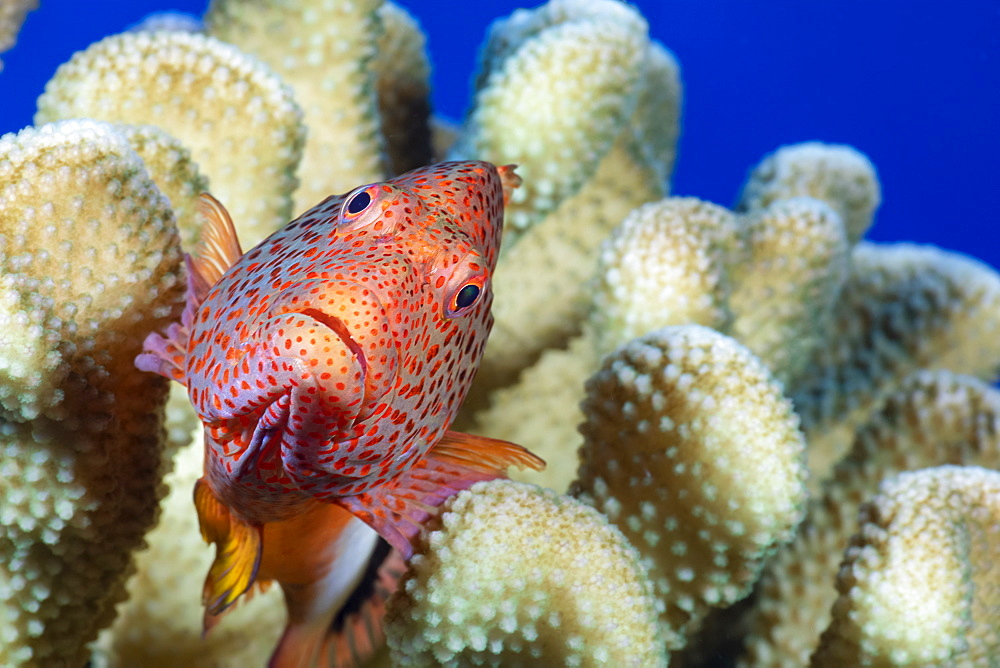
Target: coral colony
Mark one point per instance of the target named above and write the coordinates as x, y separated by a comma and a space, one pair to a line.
749, 406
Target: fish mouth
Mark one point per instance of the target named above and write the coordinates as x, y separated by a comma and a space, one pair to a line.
337, 326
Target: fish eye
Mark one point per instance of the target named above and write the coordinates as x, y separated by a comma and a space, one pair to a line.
465, 297
358, 203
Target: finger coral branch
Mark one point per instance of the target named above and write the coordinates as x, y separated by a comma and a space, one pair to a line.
238, 119
796, 259
557, 86
90, 261
903, 308
325, 52
514, 573
170, 165
693, 452
839, 175
402, 72
666, 264
12, 15
935, 418
919, 585
542, 281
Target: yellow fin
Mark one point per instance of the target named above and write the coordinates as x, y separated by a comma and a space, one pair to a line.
218, 249
237, 552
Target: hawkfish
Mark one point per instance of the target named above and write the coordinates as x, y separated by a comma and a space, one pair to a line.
327, 364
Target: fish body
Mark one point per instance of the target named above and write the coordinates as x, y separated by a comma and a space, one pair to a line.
326, 365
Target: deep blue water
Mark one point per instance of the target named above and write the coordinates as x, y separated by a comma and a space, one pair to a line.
914, 84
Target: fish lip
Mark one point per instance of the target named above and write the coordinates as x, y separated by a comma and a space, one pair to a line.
337, 326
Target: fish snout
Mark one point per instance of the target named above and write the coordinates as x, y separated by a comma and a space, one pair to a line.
342, 338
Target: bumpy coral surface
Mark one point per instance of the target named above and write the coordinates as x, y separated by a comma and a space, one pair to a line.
691, 449
323, 50
935, 418
90, 262
577, 95
902, 308
919, 584
239, 120
170, 164
833, 173
516, 574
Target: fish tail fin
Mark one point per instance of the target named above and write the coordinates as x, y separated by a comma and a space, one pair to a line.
238, 549
299, 645
398, 510
357, 632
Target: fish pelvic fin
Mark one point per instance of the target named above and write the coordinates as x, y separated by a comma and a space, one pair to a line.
399, 509
238, 549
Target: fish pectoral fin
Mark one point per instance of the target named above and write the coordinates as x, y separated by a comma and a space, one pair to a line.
237, 552
399, 509
483, 453
165, 353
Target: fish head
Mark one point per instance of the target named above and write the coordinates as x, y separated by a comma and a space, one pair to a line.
365, 319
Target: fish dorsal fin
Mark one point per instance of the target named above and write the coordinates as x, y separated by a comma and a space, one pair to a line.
509, 180
165, 352
399, 509
218, 249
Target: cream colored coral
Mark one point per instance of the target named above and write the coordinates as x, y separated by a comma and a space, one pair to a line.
839, 175
175, 174
666, 264
785, 287
935, 418
160, 624
558, 84
402, 77
12, 15
902, 308
235, 115
325, 52
541, 286
771, 278
593, 175
693, 452
169, 20
90, 263
542, 412
919, 584
516, 574
656, 122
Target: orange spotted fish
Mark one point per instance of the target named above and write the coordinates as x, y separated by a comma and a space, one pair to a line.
326, 365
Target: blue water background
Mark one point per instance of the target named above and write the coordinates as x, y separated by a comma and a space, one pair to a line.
913, 84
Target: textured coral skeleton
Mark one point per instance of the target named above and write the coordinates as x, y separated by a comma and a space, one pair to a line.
739, 369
